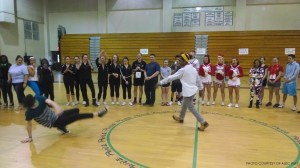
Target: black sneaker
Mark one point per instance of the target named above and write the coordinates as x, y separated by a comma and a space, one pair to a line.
269, 104
276, 105
11, 105
5, 105
63, 130
203, 126
103, 111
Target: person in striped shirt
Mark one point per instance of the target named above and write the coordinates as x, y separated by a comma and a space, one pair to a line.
38, 110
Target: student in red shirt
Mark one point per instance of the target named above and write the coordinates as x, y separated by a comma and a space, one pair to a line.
274, 74
205, 72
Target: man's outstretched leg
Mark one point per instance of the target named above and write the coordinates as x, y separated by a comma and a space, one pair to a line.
72, 115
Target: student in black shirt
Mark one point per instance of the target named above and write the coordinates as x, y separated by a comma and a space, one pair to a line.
114, 79
5, 87
138, 68
46, 79
85, 71
77, 78
126, 72
68, 71
102, 78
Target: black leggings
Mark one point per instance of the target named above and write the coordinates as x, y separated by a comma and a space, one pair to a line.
70, 116
77, 87
69, 85
102, 86
128, 88
6, 90
83, 84
114, 86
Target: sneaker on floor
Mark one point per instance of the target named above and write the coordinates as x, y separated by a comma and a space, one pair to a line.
84, 102
112, 103
202, 102
222, 104
213, 103
276, 105
208, 103
229, 105
203, 126
130, 103
77, 102
177, 119
281, 106
269, 104
103, 111
124, 103
179, 103
104, 103
98, 103
294, 108
170, 103
68, 104
73, 104
236, 105
117, 103
63, 130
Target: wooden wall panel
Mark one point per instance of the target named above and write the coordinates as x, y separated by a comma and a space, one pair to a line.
166, 45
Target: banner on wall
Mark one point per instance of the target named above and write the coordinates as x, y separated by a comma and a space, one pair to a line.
243, 51
288, 51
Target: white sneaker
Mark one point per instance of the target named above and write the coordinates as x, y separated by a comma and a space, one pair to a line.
124, 103
294, 108
236, 106
179, 103
84, 102
222, 104
202, 102
170, 102
130, 103
104, 103
117, 103
98, 103
229, 105
76, 103
208, 103
112, 103
73, 104
68, 104
213, 103
281, 106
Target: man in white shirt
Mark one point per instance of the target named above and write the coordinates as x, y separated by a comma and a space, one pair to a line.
190, 84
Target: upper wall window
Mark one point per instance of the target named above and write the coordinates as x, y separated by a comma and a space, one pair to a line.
31, 30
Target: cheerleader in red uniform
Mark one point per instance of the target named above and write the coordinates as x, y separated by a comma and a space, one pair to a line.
205, 72
219, 79
234, 72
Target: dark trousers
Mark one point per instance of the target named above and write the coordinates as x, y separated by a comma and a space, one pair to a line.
83, 84
48, 89
6, 90
77, 85
150, 90
114, 86
128, 88
70, 116
102, 86
69, 85
19, 91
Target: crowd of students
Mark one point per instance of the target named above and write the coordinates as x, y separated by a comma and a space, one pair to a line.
115, 74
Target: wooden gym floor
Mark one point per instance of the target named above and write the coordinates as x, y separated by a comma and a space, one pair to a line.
138, 136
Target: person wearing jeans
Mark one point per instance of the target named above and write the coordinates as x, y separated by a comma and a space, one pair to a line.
151, 77
18, 76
